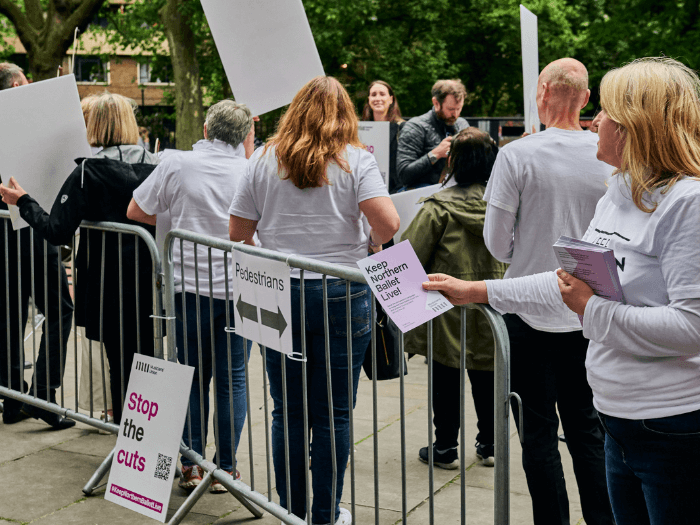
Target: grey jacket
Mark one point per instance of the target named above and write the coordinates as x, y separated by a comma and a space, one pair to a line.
418, 137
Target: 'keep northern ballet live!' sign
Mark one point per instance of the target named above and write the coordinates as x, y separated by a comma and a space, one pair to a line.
395, 276
143, 468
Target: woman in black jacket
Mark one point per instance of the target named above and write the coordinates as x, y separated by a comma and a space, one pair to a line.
99, 189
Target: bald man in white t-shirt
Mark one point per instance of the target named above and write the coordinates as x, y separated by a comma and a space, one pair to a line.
544, 186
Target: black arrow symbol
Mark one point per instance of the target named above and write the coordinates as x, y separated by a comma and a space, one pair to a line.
273, 320
247, 310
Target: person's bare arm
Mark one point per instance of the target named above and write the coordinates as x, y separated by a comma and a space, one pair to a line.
382, 217
135, 213
456, 290
240, 229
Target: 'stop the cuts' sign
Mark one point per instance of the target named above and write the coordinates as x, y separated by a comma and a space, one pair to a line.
141, 478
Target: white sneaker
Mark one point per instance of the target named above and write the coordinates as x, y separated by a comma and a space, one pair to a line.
345, 517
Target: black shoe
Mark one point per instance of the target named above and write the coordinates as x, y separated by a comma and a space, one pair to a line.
485, 454
446, 459
10, 418
57, 422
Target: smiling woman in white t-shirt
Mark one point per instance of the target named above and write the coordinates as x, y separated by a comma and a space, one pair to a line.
643, 360
305, 193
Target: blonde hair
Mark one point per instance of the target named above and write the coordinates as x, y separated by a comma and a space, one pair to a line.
86, 105
111, 121
314, 131
656, 101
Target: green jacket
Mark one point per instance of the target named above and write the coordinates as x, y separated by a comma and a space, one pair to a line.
448, 237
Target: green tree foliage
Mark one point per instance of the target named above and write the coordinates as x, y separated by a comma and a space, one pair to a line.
46, 27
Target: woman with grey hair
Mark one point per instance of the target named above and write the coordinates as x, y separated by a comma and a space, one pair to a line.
196, 188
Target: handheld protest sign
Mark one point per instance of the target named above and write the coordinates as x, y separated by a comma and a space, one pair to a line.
396, 278
375, 136
42, 133
266, 47
262, 301
531, 67
143, 469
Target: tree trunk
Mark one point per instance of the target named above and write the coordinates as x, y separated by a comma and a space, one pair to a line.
189, 109
46, 32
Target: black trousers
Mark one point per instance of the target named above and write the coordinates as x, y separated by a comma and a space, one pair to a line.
446, 404
118, 353
548, 372
21, 281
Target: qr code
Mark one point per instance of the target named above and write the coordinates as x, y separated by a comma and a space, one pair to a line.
163, 467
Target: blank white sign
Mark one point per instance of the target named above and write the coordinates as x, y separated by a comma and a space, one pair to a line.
42, 133
531, 67
266, 47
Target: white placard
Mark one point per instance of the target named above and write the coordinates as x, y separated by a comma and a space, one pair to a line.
407, 205
262, 301
375, 135
531, 67
42, 133
143, 469
266, 47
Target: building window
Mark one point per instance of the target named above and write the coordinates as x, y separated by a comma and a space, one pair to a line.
90, 69
158, 71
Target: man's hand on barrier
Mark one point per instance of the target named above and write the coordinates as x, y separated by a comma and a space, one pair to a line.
457, 291
12, 192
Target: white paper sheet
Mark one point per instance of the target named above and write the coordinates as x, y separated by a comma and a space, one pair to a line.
375, 135
42, 133
266, 47
531, 67
407, 205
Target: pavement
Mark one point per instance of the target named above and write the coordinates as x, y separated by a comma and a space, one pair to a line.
43, 471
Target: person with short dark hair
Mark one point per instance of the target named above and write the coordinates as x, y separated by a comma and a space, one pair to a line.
197, 187
447, 236
24, 281
424, 142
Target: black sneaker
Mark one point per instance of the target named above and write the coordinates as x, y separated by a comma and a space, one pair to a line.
485, 454
446, 459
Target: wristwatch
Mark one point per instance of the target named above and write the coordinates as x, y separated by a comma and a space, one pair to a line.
432, 158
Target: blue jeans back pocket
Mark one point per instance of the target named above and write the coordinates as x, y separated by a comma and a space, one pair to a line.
360, 296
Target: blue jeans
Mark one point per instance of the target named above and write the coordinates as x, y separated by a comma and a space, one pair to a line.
225, 447
653, 469
321, 461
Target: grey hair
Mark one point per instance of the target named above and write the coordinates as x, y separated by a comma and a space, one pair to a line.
9, 74
229, 122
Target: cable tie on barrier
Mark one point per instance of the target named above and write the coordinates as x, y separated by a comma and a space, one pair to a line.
293, 357
286, 261
162, 317
230, 330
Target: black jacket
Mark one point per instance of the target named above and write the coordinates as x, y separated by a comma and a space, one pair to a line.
418, 137
99, 189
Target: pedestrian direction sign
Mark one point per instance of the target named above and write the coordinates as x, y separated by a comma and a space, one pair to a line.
262, 301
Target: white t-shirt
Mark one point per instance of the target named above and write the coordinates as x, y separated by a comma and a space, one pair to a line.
323, 223
196, 187
643, 360
541, 187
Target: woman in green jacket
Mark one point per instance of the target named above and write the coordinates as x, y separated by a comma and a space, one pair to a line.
447, 235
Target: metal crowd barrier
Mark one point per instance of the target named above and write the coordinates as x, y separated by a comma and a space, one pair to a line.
17, 392
257, 502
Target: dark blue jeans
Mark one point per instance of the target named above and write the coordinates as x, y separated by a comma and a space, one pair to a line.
653, 469
321, 460
225, 447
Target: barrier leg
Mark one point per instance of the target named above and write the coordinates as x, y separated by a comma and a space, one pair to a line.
193, 498
99, 474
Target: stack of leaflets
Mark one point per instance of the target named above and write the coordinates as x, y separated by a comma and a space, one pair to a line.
592, 264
